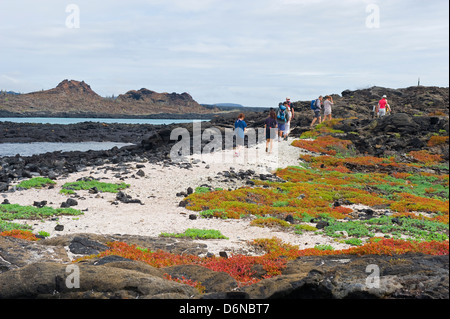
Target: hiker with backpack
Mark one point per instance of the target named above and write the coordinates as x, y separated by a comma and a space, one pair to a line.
282, 118
316, 106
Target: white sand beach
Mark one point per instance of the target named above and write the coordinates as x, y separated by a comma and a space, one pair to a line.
160, 211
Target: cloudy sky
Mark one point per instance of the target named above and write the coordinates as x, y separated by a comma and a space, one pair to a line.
252, 52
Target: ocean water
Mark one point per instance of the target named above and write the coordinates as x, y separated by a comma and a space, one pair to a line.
29, 149
67, 121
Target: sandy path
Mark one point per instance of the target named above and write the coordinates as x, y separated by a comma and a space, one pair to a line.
157, 191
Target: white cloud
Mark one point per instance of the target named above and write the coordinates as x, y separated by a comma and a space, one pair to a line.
246, 51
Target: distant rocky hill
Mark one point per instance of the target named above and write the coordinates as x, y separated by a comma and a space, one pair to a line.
74, 98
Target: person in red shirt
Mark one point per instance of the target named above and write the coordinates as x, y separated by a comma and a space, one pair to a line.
382, 106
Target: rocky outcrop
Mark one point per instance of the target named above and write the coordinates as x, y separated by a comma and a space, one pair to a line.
72, 98
16, 253
72, 87
417, 100
356, 277
43, 270
152, 97
49, 280
81, 132
398, 133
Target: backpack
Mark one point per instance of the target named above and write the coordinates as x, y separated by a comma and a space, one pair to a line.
281, 114
313, 105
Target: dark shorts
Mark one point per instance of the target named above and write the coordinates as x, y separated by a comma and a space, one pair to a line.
317, 113
271, 133
281, 127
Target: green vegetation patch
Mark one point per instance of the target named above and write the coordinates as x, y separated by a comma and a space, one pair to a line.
211, 213
197, 234
423, 230
36, 182
269, 222
324, 247
7, 226
69, 188
15, 211
9, 212
303, 227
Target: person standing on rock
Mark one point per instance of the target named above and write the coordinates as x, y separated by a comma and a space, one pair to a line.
317, 109
382, 106
327, 105
270, 126
240, 128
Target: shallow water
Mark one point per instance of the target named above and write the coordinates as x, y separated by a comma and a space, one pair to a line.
29, 149
67, 121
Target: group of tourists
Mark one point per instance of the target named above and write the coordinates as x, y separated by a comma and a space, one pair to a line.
279, 120
316, 106
278, 124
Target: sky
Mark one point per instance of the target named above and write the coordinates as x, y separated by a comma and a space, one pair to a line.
250, 52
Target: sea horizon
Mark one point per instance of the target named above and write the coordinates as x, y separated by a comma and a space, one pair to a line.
68, 121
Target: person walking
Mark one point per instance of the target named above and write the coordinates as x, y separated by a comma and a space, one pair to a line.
289, 113
317, 109
240, 128
382, 106
291, 106
327, 106
270, 126
282, 115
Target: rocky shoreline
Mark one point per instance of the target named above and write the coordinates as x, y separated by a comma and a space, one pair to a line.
39, 270
396, 134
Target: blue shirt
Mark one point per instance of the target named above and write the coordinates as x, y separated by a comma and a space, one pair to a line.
240, 126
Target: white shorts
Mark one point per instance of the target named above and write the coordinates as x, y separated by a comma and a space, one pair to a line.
382, 112
287, 127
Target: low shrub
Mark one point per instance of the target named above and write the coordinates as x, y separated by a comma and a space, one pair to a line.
269, 222
36, 182
69, 188
197, 234
21, 234
437, 140
15, 211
